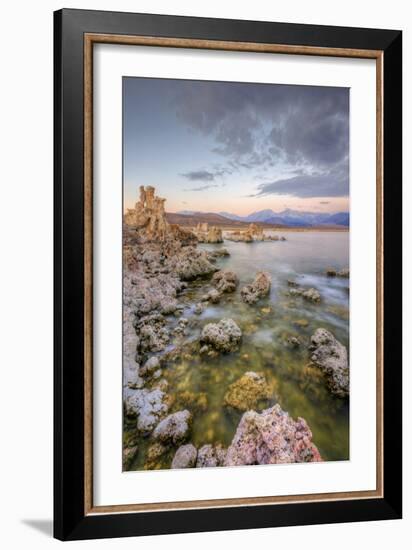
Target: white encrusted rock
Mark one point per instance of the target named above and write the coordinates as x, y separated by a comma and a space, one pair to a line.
185, 457
223, 336
331, 356
174, 428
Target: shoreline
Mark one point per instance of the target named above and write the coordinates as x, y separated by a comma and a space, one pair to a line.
169, 285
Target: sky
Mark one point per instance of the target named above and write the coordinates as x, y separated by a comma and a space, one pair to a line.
236, 147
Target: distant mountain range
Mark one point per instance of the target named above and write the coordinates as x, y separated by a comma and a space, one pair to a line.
291, 218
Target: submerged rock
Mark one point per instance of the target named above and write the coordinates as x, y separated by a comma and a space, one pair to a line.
153, 456
148, 406
225, 281
193, 400
210, 456
173, 428
309, 294
185, 457
260, 287
334, 273
331, 356
247, 392
312, 295
199, 308
293, 341
218, 253
271, 437
213, 296
129, 454
223, 336
300, 323
344, 273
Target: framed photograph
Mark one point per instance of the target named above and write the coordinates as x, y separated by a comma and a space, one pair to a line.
227, 274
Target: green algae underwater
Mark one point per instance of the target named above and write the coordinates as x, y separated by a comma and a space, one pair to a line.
200, 383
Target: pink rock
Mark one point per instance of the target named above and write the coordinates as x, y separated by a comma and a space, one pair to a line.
271, 437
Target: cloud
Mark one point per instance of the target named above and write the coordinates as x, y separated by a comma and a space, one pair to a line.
334, 183
324, 202
199, 175
203, 188
262, 127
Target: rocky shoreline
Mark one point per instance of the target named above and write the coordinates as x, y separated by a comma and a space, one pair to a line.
161, 263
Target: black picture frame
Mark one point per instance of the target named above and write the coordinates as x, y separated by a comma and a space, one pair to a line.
70, 520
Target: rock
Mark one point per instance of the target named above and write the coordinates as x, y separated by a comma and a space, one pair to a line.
260, 287
291, 283
194, 401
213, 296
309, 294
199, 308
152, 334
182, 235
312, 295
185, 457
293, 342
168, 306
148, 216
247, 392
240, 236
153, 456
174, 428
192, 263
301, 323
149, 406
223, 336
131, 376
218, 253
129, 454
253, 233
271, 437
145, 293
206, 234
225, 281
331, 356
210, 456
334, 273
344, 273
214, 235
150, 366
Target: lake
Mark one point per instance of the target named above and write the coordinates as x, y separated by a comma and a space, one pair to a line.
299, 388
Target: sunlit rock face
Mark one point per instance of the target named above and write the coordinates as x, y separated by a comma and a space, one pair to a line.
206, 234
148, 217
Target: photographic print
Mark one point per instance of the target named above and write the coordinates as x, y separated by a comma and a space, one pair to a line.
235, 274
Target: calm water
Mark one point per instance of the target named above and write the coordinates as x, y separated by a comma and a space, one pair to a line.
299, 389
